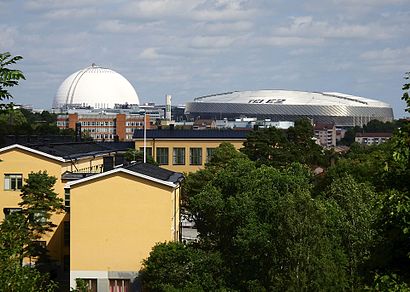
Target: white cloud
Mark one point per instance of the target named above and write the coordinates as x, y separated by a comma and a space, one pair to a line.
225, 27
117, 26
285, 41
212, 41
71, 13
7, 37
307, 26
149, 54
388, 60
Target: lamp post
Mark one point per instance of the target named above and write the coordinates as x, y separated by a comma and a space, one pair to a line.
145, 135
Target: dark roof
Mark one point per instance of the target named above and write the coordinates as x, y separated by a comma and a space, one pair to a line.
196, 134
155, 172
323, 126
81, 149
75, 175
374, 135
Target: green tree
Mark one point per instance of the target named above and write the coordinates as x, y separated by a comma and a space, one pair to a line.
8, 77
39, 202
279, 148
138, 156
14, 238
176, 267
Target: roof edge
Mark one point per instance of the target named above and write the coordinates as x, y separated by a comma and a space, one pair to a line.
116, 170
18, 146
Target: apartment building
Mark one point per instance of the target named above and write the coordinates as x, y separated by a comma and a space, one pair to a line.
104, 126
372, 138
186, 150
325, 134
108, 227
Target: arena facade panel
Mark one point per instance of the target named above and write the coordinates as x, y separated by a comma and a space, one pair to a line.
286, 105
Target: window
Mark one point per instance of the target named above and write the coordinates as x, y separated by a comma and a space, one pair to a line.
91, 284
195, 157
178, 157
13, 181
209, 153
149, 150
162, 155
66, 234
67, 200
119, 285
8, 211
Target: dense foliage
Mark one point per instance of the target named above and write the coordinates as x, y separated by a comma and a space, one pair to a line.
267, 223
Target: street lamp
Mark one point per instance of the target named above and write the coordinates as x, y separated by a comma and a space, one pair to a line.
145, 135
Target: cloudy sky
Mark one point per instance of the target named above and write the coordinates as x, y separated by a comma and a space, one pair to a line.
189, 48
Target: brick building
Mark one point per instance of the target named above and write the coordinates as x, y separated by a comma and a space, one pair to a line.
104, 126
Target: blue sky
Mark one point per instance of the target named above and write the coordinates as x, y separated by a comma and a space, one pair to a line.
189, 48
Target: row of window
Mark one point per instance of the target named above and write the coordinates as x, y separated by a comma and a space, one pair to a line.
134, 124
98, 130
97, 123
178, 155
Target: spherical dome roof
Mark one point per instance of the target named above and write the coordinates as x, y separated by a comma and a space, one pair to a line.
96, 87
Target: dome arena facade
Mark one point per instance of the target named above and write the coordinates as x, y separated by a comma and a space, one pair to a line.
287, 105
95, 87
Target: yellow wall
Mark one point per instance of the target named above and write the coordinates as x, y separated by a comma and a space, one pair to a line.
18, 161
187, 144
116, 220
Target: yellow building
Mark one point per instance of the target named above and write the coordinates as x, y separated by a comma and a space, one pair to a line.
116, 218
186, 150
17, 161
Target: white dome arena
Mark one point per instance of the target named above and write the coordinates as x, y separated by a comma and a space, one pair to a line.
290, 105
95, 87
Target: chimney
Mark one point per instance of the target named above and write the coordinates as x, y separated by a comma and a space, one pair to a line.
108, 163
168, 107
78, 131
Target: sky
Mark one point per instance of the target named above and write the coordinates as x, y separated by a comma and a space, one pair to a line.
190, 48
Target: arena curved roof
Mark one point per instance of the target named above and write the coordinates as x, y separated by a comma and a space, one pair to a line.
333, 107
95, 87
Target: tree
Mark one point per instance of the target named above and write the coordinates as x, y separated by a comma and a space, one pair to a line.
268, 229
138, 156
39, 202
175, 267
8, 77
14, 238
278, 148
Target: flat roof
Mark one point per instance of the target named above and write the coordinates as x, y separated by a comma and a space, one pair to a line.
192, 134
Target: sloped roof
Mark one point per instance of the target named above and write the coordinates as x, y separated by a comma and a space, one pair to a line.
155, 171
141, 170
72, 150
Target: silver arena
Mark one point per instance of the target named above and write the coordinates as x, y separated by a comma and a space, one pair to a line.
286, 105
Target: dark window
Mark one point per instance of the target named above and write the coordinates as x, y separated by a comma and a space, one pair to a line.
13, 181
149, 150
91, 284
162, 155
119, 285
8, 211
67, 200
209, 153
66, 263
66, 233
195, 157
178, 157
